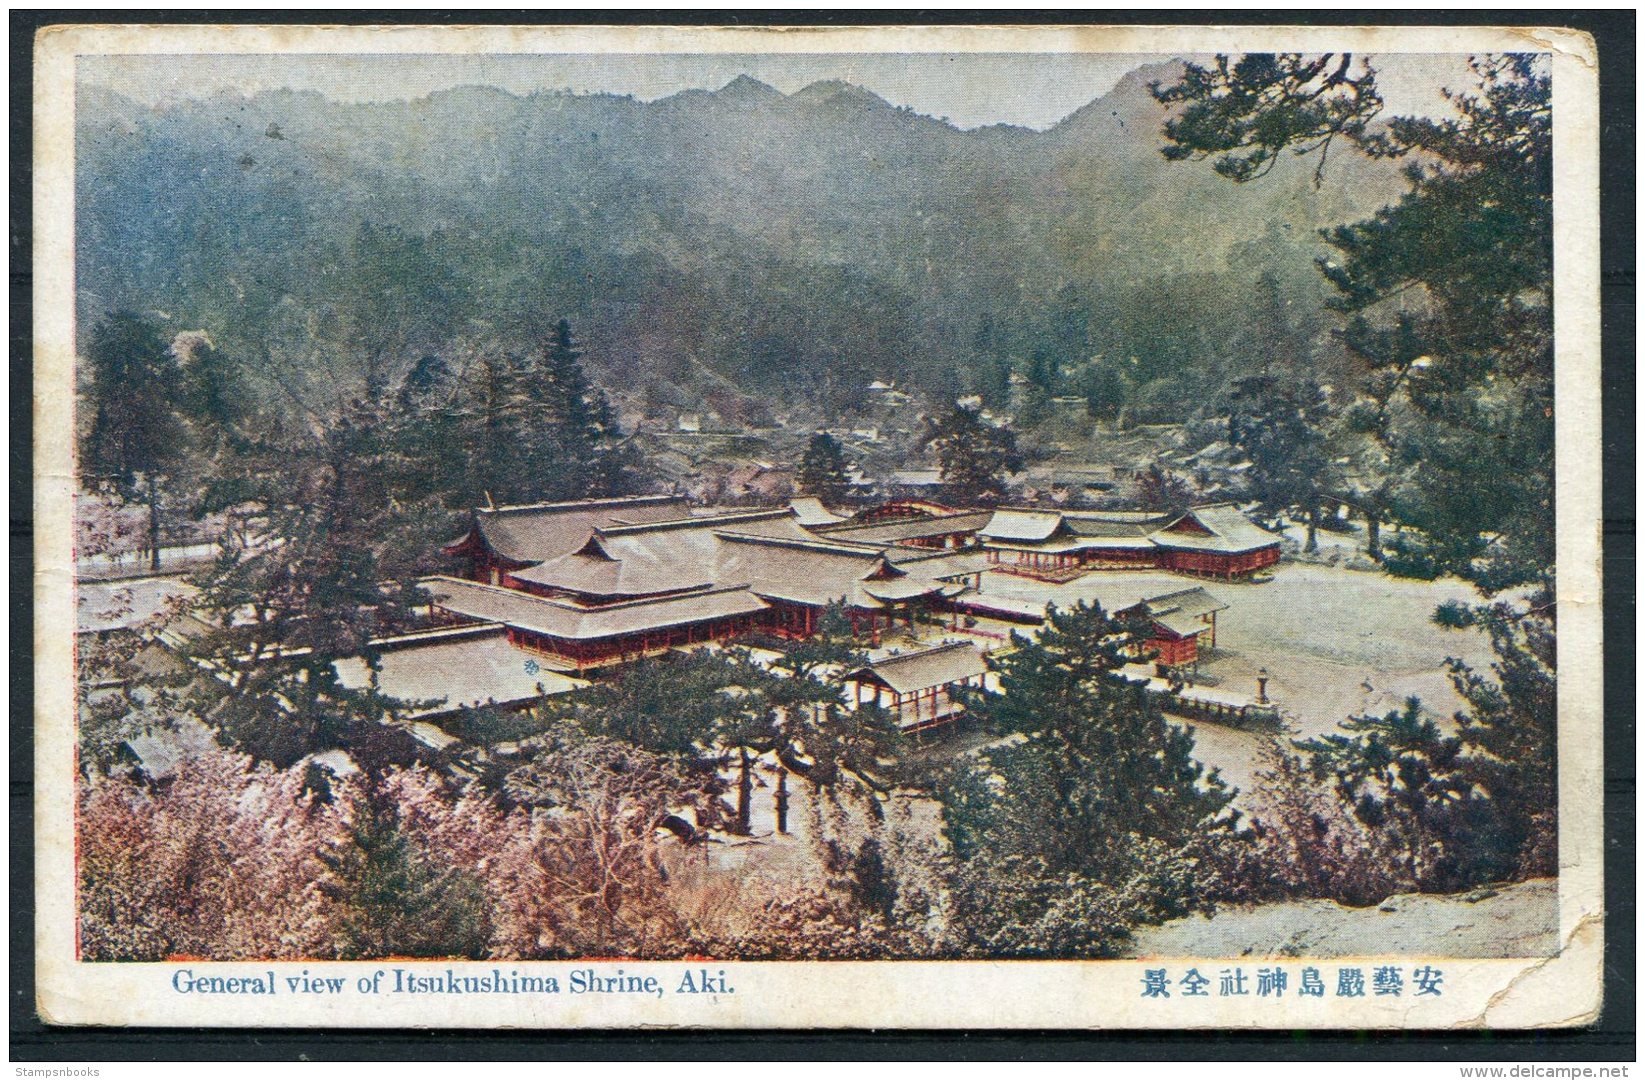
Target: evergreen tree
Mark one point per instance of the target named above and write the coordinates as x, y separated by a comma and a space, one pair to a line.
1472, 237
745, 729
1161, 489
345, 531
993, 383
436, 430
395, 901
1042, 381
579, 417
974, 455
1279, 342
666, 705
1104, 389
817, 738
1477, 804
136, 436
1095, 758
507, 451
1511, 721
824, 469
216, 397
1280, 422
1413, 787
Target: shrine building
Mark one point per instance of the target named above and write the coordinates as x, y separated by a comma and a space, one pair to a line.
603, 582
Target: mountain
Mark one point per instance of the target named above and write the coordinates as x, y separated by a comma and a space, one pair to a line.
741, 241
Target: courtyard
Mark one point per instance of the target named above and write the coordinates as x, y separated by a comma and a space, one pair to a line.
1335, 643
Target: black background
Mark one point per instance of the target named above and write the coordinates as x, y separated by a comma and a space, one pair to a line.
1612, 1039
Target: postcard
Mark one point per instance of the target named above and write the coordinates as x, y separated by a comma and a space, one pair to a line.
817, 527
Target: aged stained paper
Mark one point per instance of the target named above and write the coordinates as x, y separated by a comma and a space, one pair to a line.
582, 527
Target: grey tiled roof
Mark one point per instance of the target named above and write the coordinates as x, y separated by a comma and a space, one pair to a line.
909, 672
909, 529
534, 532
809, 510
1217, 528
1022, 525
562, 619
446, 670
1182, 611
1229, 531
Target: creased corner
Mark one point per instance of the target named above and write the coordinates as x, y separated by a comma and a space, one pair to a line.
1579, 45
1531, 982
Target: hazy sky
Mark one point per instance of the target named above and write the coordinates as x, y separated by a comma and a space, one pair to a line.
971, 89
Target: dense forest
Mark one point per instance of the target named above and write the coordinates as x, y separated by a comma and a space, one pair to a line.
725, 243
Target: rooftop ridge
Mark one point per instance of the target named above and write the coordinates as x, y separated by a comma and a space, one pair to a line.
1174, 593
583, 504
897, 658
848, 525
834, 547
435, 634
568, 606
687, 523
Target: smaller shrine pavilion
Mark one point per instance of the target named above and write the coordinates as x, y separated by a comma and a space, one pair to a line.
921, 689
1177, 622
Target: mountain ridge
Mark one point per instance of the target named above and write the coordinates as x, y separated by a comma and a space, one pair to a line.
825, 237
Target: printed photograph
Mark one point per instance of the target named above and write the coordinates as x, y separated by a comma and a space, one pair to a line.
816, 506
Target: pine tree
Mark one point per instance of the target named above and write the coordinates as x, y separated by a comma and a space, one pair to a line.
993, 382
824, 469
1042, 383
344, 535
434, 431
974, 455
1472, 236
136, 435
508, 450
1414, 787
1095, 758
1161, 489
1104, 389
1474, 804
1281, 422
216, 395
1279, 342
1512, 726
395, 901
579, 417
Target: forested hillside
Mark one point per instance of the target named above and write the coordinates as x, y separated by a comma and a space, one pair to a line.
739, 242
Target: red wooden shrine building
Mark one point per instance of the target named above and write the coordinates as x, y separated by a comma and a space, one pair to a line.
600, 582
1214, 541
1178, 624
